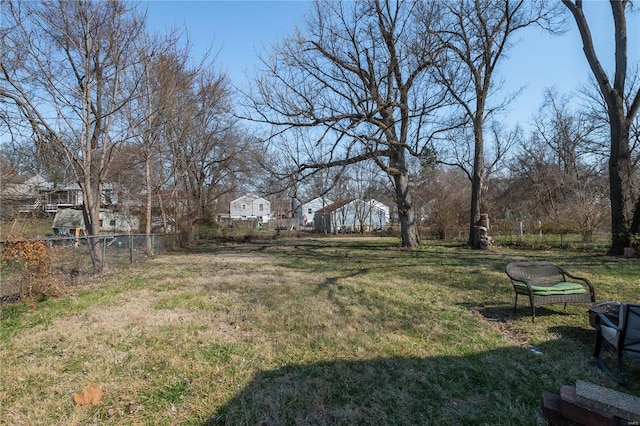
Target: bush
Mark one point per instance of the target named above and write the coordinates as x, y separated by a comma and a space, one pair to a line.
33, 259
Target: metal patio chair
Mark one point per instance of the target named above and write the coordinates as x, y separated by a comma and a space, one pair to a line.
623, 337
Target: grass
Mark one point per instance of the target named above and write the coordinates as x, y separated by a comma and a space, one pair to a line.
305, 331
25, 226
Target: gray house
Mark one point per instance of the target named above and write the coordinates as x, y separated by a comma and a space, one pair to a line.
306, 212
22, 192
250, 207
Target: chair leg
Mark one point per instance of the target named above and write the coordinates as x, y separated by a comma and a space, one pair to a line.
515, 304
533, 309
603, 366
598, 347
621, 379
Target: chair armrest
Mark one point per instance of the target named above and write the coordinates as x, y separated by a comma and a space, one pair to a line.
575, 277
525, 282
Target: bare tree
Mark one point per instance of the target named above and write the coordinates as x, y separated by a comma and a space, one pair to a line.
356, 81
208, 150
445, 201
567, 135
556, 178
622, 106
158, 90
191, 143
477, 34
70, 84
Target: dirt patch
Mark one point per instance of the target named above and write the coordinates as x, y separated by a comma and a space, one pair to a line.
500, 319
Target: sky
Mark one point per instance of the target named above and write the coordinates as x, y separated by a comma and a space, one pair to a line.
237, 31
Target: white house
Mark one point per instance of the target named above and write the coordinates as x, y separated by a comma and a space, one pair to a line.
64, 197
380, 214
23, 191
34, 193
250, 207
351, 215
22, 187
305, 212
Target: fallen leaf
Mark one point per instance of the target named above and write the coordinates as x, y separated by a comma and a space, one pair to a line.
90, 395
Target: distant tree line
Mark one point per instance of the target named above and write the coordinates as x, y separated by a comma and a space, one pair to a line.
410, 86
88, 95
393, 100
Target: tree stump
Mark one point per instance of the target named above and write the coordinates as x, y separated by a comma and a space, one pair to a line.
484, 241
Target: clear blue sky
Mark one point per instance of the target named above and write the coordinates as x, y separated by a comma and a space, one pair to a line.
239, 30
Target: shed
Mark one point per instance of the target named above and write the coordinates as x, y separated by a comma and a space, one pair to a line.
72, 221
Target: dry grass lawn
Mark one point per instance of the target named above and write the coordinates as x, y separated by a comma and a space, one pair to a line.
344, 331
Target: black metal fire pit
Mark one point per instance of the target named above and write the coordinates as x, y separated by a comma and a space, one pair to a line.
610, 309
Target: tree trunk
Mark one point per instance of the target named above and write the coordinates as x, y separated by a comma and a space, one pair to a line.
623, 218
476, 185
149, 204
406, 213
406, 210
91, 213
619, 188
190, 235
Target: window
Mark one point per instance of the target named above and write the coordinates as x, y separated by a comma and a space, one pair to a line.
310, 211
261, 207
244, 207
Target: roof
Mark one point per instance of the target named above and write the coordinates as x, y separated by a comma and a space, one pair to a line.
248, 197
23, 179
322, 200
69, 218
335, 206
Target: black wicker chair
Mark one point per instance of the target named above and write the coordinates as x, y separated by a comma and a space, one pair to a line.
623, 337
546, 283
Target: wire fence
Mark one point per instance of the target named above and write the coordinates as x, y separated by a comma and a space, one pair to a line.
69, 258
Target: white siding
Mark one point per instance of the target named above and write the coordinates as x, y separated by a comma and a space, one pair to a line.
250, 207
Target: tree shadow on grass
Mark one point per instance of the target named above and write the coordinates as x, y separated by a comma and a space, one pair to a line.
586, 336
501, 386
505, 313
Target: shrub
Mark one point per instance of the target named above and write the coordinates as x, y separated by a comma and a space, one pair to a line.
33, 258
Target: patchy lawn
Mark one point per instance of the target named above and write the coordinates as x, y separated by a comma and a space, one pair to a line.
305, 331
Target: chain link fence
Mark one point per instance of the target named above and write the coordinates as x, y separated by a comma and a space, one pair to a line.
69, 258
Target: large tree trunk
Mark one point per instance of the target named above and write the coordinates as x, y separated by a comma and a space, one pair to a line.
619, 187
189, 231
406, 210
476, 185
623, 218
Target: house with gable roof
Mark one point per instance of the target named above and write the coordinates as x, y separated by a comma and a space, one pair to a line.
306, 212
250, 206
351, 215
23, 191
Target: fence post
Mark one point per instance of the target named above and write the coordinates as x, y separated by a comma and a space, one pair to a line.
131, 249
104, 253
